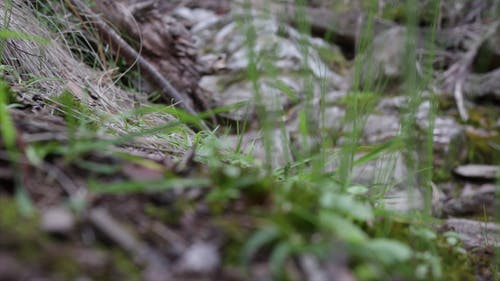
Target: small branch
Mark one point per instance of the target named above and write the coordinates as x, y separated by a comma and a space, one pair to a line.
457, 73
459, 100
102, 220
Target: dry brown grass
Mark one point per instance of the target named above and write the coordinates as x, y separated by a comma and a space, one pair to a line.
54, 68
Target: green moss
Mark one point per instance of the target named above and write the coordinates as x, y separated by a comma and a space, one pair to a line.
335, 60
170, 214
445, 102
65, 266
395, 12
432, 250
21, 237
483, 116
125, 266
17, 230
480, 148
441, 174
236, 236
456, 266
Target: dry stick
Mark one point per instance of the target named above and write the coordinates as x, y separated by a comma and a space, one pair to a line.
114, 39
102, 220
460, 69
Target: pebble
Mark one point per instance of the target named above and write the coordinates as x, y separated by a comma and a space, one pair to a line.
200, 258
57, 220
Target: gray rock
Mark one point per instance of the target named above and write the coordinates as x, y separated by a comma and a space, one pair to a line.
331, 269
475, 234
388, 49
472, 201
242, 92
200, 258
392, 105
333, 118
385, 58
446, 129
404, 200
387, 171
13, 269
380, 128
331, 97
57, 220
477, 171
449, 137
252, 143
282, 59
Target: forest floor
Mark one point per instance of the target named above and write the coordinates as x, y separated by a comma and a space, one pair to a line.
329, 141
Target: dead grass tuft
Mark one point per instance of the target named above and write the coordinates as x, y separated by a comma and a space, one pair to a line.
49, 69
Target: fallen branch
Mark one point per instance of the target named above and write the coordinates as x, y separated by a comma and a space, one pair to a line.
102, 220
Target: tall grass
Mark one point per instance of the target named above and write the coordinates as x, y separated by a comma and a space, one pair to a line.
7, 127
316, 210
332, 204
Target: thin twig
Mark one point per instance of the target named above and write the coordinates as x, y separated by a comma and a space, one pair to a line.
457, 73
459, 100
102, 220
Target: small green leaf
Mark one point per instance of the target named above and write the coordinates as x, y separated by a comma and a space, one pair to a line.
24, 202
452, 238
387, 251
6, 125
257, 241
287, 90
97, 167
11, 34
348, 205
379, 150
357, 189
278, 258
32, 156
424, 233
342, 227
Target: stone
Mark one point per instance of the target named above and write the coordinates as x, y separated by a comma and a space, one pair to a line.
385, 57
282, 58
404, 200
57, 220
392, 105
333, 118
450, 145
478, 171
472, 201
252, 143
379, 128
200, 258
475, 234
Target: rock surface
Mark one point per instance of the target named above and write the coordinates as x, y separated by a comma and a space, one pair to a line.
57, 220
472, 201
476, 171
388, 53
200, 258
475, 234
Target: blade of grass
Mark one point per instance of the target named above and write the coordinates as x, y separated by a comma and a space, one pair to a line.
8, 134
